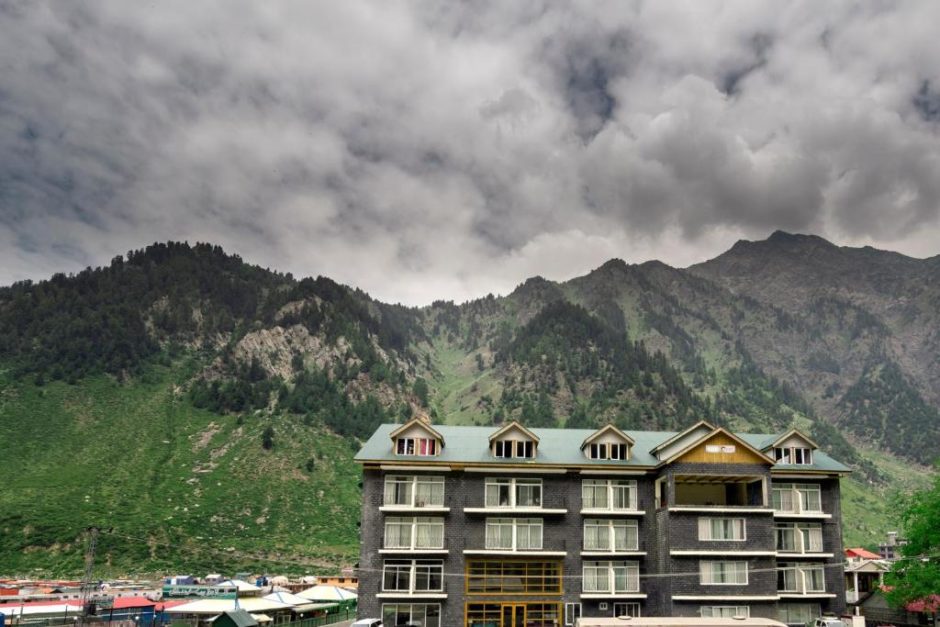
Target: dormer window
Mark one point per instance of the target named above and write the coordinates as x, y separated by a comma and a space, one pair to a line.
608, 442
800, 456
607, 451
417, 438
422, 447
513, 441
522, 449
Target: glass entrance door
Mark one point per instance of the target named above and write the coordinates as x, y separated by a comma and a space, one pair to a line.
513, 615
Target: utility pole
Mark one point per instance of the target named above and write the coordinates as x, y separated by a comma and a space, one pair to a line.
88, 583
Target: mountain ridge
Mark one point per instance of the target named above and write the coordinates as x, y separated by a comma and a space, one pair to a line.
260, 365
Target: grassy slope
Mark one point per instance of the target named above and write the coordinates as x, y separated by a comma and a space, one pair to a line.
179, 485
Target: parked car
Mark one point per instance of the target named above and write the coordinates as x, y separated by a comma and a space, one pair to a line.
367, 622
828, 621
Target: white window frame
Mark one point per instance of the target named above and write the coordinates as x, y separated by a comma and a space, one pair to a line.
708, 572
403, 442
415, 481
412, 618
611, 524
800, 570
516, 449
514, 485
608, 569
627, 608
572, 613
610, 486
606, 450
793, 455
412, 566
725, 611
794, 493
797, 529
805, 612
525, 525
706, 528
413, 522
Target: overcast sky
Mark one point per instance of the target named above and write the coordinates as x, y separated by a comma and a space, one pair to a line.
450, 149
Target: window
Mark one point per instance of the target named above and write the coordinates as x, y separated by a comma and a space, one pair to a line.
423, 447
610, 535
797, 613
608, 451
611, 577
572, 613
627, 609
413, 576
793, 455
494, 614
797, 498
721, 529
513, 577
799, 538
723, 573
801, 578
414, 491
608, 494
725, 611
513, 493
514, 534
423, 614
414, 533
523, 449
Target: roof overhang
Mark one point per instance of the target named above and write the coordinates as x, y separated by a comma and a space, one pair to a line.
681, 434
513, 425
605, 429
789, 434
723, 431
416, 422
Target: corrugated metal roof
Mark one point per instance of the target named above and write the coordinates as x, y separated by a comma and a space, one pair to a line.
470, 445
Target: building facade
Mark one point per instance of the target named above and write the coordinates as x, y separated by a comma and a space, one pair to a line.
513, 527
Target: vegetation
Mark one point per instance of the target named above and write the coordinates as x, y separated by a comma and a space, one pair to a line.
916, 576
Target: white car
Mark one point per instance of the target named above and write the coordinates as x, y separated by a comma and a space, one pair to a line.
367, 622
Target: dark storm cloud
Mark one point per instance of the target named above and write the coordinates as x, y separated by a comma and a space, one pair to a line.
451, 149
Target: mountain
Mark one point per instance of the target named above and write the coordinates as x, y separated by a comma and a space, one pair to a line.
205, 410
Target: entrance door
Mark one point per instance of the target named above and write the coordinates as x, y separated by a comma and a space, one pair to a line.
513, 615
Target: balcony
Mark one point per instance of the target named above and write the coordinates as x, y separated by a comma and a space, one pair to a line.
717, 494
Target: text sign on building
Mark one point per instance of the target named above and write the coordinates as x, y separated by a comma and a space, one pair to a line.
719, 448
207, 592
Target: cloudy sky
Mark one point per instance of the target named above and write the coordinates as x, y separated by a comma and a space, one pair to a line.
426, 150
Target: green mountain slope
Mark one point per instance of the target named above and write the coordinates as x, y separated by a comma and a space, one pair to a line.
207, 410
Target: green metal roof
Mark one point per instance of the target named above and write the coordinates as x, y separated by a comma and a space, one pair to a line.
470, 445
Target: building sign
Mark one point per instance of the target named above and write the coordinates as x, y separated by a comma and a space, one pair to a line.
206, 592
719, 448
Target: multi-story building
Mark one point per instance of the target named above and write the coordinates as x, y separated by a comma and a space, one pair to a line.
513, 527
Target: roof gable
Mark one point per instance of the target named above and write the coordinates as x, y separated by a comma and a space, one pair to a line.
791, 435
608, 428
681, 440
419, 424
729, 448
513, 426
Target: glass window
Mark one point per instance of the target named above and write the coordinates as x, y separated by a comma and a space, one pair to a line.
612, 494
724, 573
610, 535
413, 491
398, 615
611, 577
572, 613
514, 534
721, 528
513, 577
797, 498
627, 609
725, 611
797, 613
513, 493
414, 533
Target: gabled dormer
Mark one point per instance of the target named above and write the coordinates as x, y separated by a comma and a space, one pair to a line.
608, 443
513, 441
682, 440
792, 448
416, 438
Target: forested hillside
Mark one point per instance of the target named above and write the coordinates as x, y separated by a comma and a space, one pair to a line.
207, 409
